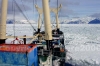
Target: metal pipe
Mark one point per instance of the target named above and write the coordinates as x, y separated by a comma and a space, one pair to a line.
3, 21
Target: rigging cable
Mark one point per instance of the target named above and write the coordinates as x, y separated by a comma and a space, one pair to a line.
13, 11
53, 24
33, 8
52, 16
24, 15
42, 24
36, 2
59, 16
57, 6
59, 11
24, 9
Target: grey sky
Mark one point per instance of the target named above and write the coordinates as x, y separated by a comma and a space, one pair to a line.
70, 8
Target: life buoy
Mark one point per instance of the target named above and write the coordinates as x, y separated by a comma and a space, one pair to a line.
17, 41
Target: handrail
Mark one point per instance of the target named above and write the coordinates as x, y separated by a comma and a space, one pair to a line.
22, 36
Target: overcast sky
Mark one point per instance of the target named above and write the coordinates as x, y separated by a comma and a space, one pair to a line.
70, 8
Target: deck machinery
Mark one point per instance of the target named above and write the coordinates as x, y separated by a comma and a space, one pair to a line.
49, 51
56, 50
48, 47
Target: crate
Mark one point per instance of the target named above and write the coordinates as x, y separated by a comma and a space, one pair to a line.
18, 55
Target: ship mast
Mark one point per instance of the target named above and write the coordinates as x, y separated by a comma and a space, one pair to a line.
56, 10
47, 24
40, 11
3, 21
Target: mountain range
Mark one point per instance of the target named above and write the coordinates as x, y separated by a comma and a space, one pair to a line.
95, 21
19, 22
86, 20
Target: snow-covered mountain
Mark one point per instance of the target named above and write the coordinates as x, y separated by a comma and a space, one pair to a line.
20, 22
12, 22
84, 20
95, 21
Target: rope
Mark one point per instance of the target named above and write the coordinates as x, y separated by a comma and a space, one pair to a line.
57, 5
53, 24
24, 15
49, 0
59, 16
26, 12
24, 8
59, 11
33, 8
42, 24
13, 9
36, 2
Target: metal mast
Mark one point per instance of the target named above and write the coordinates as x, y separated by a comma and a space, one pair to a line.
56, 10
3, 21
40, 11
47, 24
